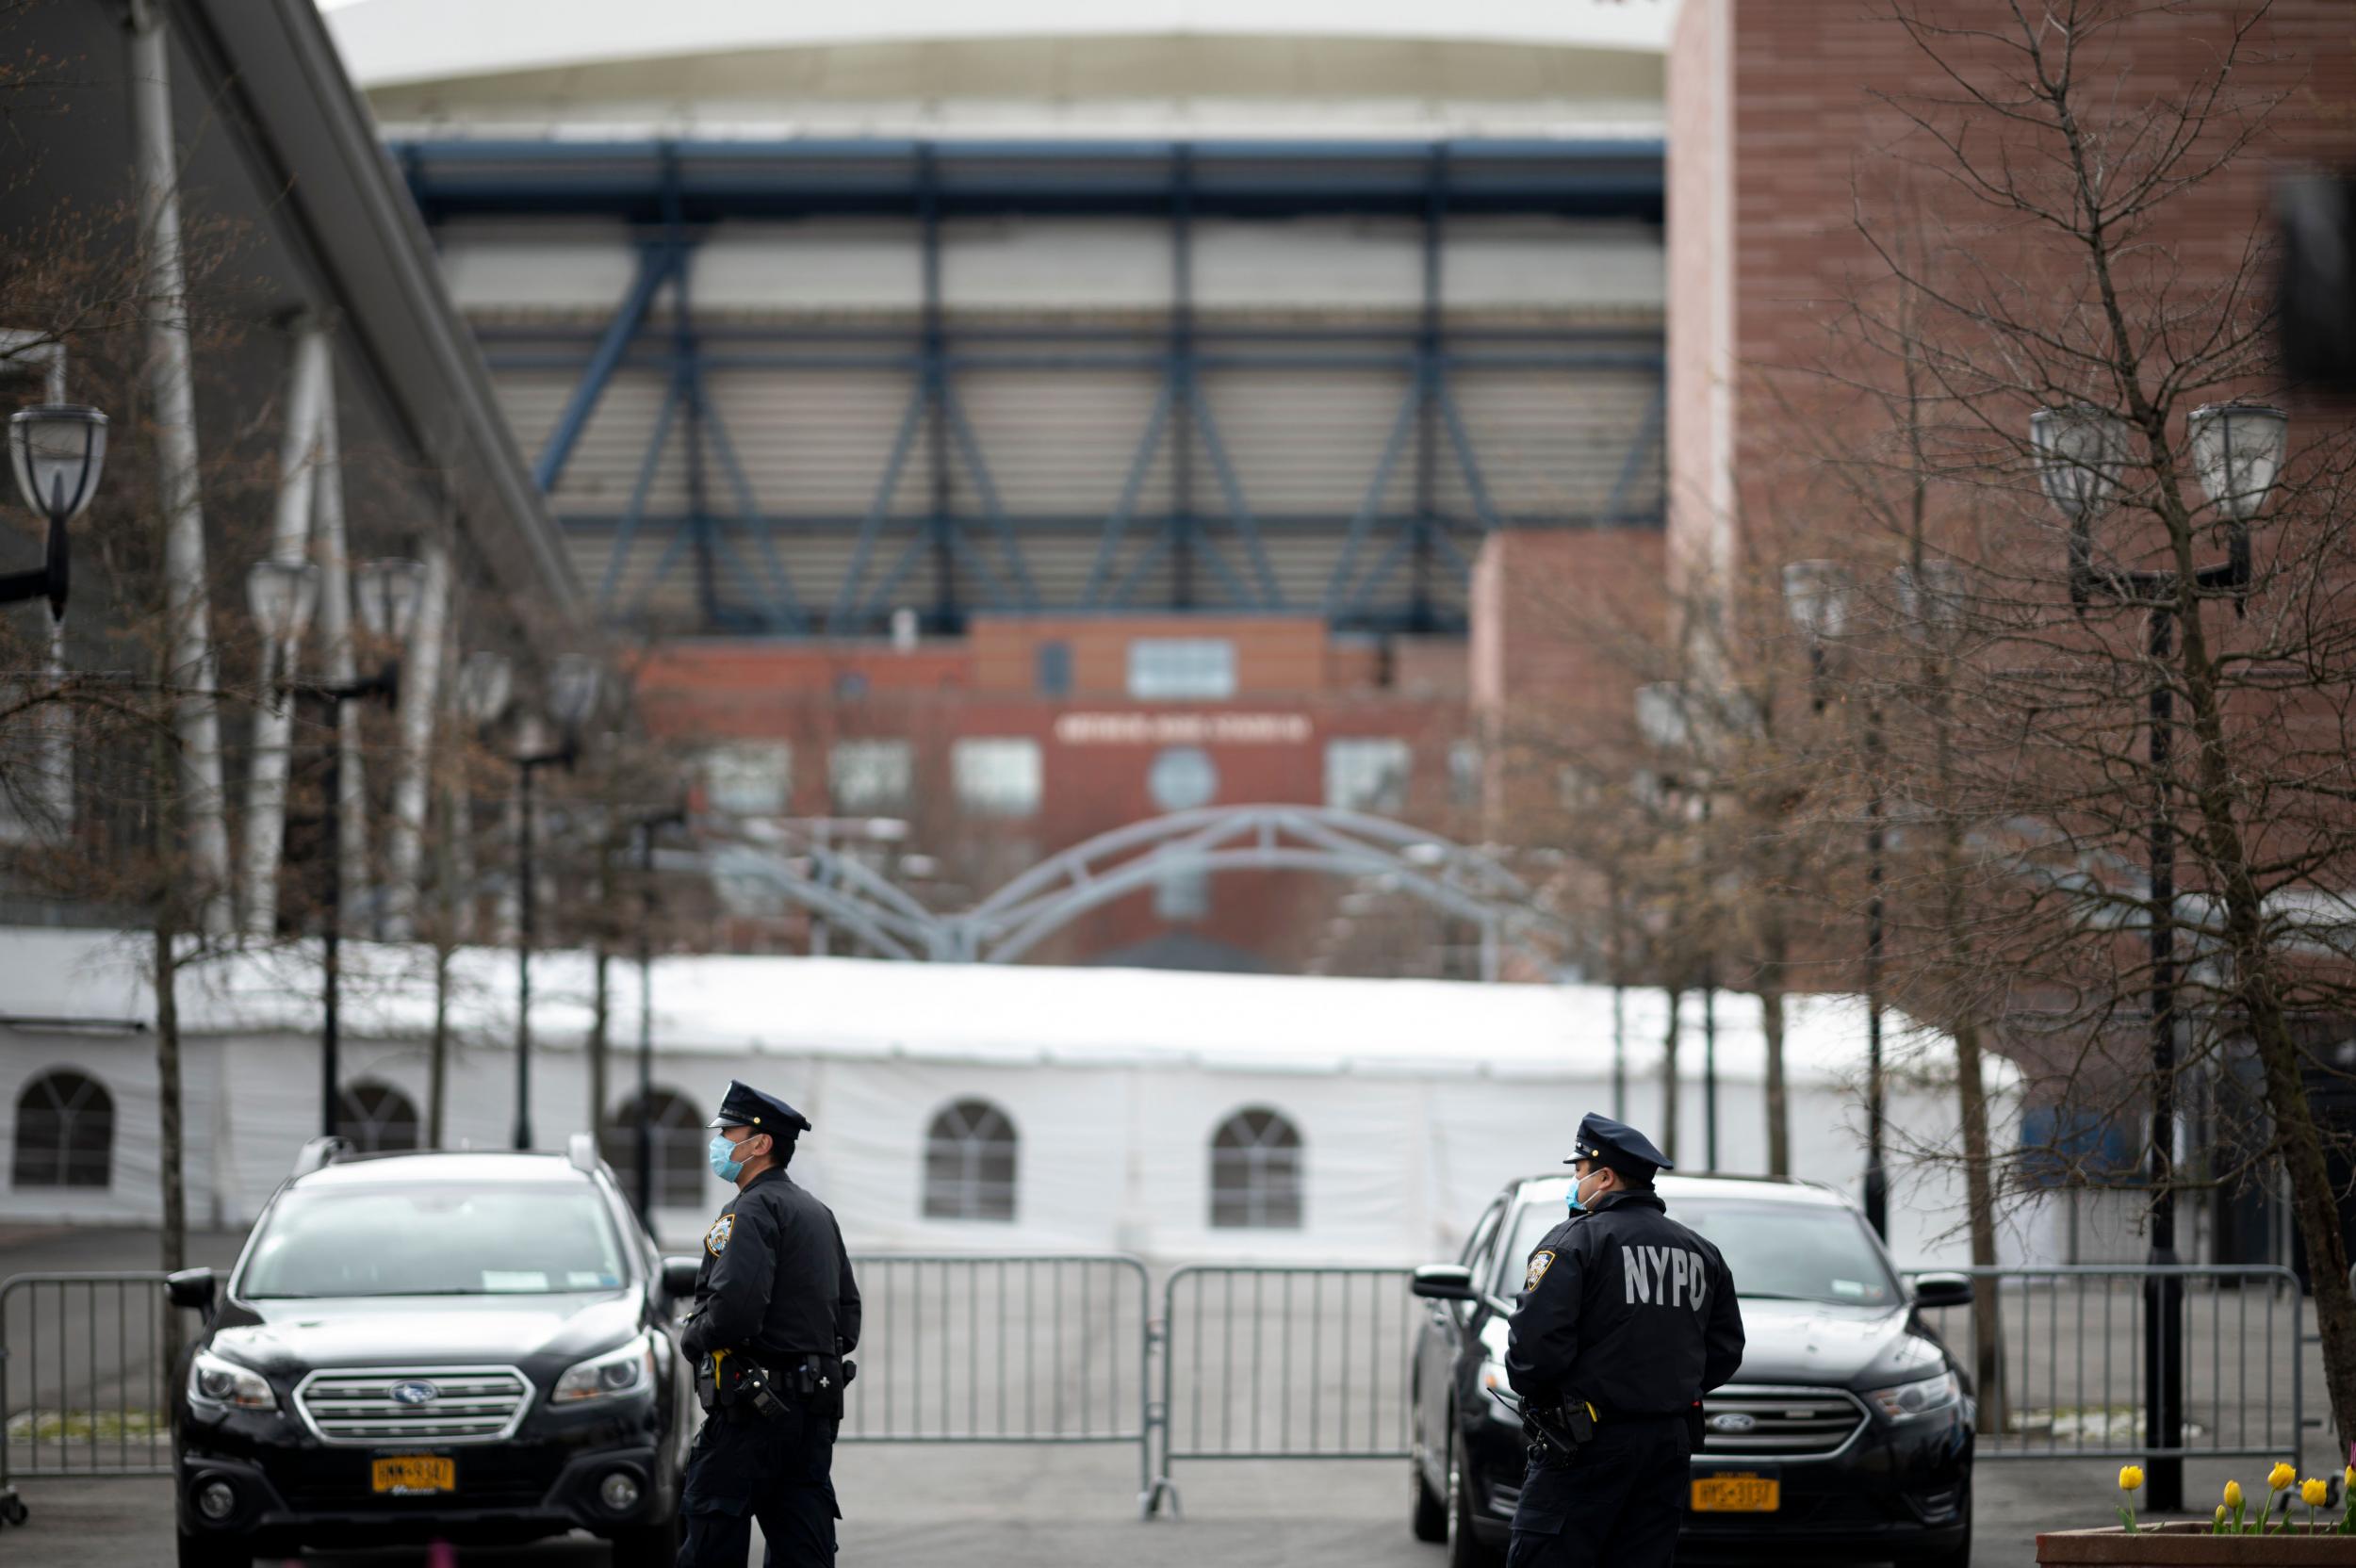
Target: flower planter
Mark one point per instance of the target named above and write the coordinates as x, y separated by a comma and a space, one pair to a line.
2191, 1545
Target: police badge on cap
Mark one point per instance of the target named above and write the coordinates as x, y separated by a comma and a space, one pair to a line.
747, 1106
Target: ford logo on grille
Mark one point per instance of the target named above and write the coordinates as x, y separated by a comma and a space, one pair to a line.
1733, 1421
415, 1394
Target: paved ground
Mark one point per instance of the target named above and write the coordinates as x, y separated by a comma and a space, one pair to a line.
979, 1506
1063, 1509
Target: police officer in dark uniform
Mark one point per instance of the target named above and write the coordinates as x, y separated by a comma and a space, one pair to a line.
777, 1314
1626, 1319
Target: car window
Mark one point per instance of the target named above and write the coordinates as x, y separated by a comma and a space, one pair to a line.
1532, 1222
1803, 1251
1814, 1252
1476, 1245
435, 1238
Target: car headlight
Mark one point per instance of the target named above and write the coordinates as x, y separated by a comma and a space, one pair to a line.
1905, 1401
627, 1370
215, 1381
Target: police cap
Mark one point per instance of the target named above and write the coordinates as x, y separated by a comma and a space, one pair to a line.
1617, 1146
747, 1106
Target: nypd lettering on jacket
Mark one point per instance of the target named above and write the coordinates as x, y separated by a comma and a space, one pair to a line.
1626, 1308
1664, 1277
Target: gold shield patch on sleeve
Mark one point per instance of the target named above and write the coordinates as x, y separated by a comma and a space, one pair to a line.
716, 1240
1539, 1264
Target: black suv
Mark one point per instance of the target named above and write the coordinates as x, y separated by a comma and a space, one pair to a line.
472, 1347
1847, 1433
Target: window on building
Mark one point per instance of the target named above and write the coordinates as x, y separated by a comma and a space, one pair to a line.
1463, 774
1367, 773
1054, 669
970, 1164
996, 776
870, 775
1256, 1172
1182, 779
65, 1133
678, 1138
376, 1118
749, 778
1182, 892
1175, 669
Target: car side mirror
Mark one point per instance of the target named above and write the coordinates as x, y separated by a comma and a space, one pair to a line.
1443, 1281
191, 1287
679, 1277
1943, 1290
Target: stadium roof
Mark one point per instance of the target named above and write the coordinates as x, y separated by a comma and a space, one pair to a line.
386, 41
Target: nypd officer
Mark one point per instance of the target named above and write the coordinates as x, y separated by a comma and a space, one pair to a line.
777, 1310
1626, 1319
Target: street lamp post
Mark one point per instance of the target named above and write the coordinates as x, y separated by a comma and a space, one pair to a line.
647, 826
574, 687
2237, 450
1817, 593
282, 594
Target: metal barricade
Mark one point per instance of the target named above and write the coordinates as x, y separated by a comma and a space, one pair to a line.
2072, 1384
84, 1369
1025, 1349
1263, 1362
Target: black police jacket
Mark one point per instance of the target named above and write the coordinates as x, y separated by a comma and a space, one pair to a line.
775, 1282
1626, 1309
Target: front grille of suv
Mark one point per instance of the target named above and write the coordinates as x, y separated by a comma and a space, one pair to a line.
461, 1404
1757, 1422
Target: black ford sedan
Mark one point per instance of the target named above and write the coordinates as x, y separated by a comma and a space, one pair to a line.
471, 1348
1846, 1434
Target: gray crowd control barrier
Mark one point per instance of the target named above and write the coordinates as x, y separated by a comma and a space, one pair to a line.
1248, 1362
2071, 1380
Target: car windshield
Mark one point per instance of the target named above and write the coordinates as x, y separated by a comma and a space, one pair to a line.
1802, 1253
434, 1239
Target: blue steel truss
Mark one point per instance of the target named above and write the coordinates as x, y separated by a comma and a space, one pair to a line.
1215, 548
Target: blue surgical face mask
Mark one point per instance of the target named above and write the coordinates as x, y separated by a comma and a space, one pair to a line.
720, 1151
1577, 1206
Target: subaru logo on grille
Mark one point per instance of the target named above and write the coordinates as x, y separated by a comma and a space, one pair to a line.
418, 1393
1733, 1421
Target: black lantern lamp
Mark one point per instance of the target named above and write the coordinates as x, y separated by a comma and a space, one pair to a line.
58, 451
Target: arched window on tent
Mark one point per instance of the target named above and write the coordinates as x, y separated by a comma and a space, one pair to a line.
376, 1118
970, 1163
65, 1133
679, 1136
1256, 1172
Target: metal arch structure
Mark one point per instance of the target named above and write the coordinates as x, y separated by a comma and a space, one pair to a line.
1448, 876
1395, 564
1011, 923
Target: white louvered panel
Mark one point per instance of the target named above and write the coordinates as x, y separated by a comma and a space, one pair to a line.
1551, 444
815, 443
602, 470
1303, 564
1303, 441
1059, 443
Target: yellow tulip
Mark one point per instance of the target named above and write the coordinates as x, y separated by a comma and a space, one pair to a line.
2220, 1513
2130, 1479
2312, 1492
2348, 1482
2281, 1477
2233, 1493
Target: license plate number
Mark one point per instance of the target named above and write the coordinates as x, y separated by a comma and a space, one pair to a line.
1737, 1493
415, 1474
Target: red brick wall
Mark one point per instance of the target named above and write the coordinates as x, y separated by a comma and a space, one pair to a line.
1298, 688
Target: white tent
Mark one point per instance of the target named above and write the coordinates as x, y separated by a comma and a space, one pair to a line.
1413, 1100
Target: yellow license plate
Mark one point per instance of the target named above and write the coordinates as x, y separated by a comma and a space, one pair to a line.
1737, 1493
415, 1474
